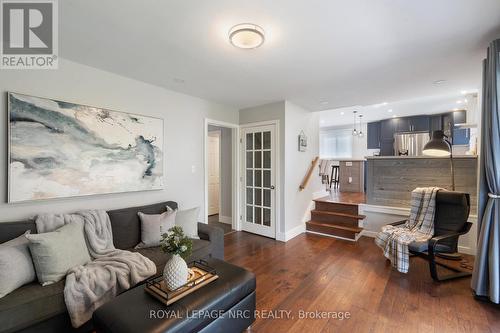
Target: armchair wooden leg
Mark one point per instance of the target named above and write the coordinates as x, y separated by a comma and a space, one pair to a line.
433, 269
432, 266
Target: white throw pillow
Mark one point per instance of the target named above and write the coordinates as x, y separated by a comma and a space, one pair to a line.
16, 265
153, 226
55, 253
188, 221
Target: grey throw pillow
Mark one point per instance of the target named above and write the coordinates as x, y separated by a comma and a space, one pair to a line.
153, 226
55, 253
188, 221
16, 266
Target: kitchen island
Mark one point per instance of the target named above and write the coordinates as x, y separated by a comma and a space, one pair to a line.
390, 179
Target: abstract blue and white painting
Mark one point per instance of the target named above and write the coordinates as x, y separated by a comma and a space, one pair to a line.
60, 149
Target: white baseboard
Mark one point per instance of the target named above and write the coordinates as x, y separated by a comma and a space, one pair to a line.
286, 236
369, 233
226, 219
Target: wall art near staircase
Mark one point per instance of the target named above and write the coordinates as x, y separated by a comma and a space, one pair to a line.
59, 149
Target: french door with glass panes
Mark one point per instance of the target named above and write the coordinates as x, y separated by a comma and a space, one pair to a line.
259, 165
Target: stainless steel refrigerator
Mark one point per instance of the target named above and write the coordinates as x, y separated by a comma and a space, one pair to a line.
410, 143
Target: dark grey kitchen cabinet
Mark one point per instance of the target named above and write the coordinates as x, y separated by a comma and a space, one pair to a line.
436, 123
403, 124
413, 124
373, 135
461, 136
459, 117
387, 147
387, 129
419, 123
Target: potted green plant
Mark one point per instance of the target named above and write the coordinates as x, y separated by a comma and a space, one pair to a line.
174, 242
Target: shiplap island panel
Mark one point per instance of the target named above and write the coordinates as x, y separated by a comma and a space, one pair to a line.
390, 179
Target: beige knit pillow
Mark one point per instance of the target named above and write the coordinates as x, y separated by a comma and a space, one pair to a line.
55, 253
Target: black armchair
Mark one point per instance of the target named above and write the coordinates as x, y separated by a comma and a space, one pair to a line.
450, 222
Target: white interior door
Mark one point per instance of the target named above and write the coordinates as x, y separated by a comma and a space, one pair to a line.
213, 172
259, 175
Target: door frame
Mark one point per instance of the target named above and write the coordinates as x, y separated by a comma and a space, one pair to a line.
235, 163
219, 134
277, 185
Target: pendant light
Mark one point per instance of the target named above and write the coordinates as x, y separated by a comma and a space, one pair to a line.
360, 133
354, 131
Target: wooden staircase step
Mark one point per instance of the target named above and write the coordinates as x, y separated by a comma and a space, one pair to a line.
323, 212
336, 218
347, 232
337, 207
330, 201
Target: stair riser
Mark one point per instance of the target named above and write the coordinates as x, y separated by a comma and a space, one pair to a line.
337, 208
338, 220
333, 232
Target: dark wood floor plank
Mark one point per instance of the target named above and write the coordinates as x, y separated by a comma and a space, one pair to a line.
312, 273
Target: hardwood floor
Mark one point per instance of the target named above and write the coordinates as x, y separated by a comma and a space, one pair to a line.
315, 273
345, 197
214, 221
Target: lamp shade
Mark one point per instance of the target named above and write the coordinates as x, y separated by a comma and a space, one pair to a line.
438, 146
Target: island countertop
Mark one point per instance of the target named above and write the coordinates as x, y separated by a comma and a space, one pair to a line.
415, 157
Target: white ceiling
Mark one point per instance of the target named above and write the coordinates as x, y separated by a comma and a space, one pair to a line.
335, 51
411, 107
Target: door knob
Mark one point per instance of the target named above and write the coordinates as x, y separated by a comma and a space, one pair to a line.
272, 187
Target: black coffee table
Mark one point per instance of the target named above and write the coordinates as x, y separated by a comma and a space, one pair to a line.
224, 305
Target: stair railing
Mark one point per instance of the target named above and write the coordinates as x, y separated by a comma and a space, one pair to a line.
306, 179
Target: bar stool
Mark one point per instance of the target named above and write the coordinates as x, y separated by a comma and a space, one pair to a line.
334, 178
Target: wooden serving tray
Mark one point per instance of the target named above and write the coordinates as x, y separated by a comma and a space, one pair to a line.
197, 279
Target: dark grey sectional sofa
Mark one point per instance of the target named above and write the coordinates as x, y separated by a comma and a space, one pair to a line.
33, 308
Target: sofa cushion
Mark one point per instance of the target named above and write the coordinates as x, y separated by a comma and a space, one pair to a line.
188, 221
55, 253
153, 226
423, 246
31, 304
11, 230
16, 265
126, 225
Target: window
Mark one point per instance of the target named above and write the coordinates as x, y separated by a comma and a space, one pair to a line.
335, 143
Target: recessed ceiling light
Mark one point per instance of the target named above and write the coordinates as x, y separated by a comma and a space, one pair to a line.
455, 109
380, 104
342, 113
465, 100
460, 101
390, 110
438, 82
464, 92
394, 116
246, 36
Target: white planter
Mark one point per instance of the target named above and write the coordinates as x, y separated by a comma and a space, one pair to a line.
175, 272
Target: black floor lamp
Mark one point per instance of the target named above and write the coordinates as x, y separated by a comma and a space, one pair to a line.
440, 146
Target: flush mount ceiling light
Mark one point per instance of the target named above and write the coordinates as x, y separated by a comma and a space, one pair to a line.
246, 36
